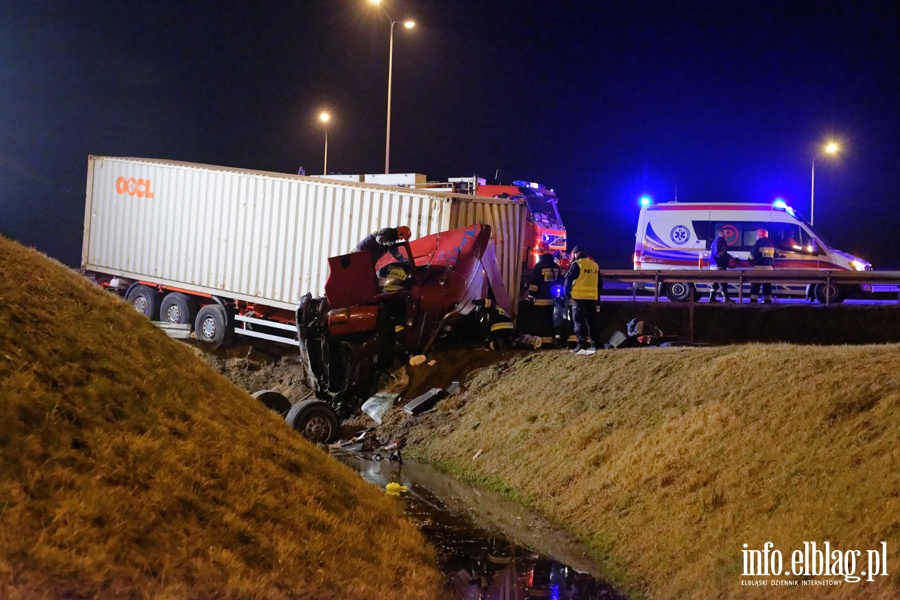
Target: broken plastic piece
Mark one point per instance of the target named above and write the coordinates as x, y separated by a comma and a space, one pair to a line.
420, 404
394, 489
416, 360
379, 404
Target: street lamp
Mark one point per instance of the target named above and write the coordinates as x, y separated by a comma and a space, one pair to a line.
325, 117
830, 148
409, 24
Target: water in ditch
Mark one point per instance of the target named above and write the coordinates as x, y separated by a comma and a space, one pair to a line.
488, 547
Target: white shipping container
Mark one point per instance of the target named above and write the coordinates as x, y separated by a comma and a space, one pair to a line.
259, 236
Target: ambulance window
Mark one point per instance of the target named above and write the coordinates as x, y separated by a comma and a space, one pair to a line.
703, 232
749, 233
732, 233
787, 236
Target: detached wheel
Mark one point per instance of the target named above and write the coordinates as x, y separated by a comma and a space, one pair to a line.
178, 309
830, 294
679, 291
274, 401
315, 420
145, 300
211, 325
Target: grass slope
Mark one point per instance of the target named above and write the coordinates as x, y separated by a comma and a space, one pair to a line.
131, 470
667, 461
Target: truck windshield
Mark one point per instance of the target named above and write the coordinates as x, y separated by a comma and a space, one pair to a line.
542, 208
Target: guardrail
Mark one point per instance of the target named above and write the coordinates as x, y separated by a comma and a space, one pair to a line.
829, 278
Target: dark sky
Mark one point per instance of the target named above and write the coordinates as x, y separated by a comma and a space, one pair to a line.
602, 101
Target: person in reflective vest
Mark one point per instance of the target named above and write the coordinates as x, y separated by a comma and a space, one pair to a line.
582, 286
544, 287
762, 256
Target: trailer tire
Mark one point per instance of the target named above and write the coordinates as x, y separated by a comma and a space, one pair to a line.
836, 292
211, 325
274, 401
680, 291
145, 300
315, 420
178, 308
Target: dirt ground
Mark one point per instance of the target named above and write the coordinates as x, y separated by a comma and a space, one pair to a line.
270, 367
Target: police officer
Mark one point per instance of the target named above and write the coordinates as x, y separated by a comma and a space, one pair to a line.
543, 288
583, 286
762, 256
385, 240
719, 259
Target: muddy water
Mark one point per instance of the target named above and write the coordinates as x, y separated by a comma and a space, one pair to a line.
488, 547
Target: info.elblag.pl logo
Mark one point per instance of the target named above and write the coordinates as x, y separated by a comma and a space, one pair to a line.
812, 559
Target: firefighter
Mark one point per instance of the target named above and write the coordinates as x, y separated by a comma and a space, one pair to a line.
582, 286
500, 334
544, 287
762, 257
386, 240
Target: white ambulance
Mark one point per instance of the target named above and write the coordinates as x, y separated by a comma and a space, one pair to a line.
678, 235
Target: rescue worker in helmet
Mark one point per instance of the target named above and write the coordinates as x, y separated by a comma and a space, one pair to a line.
762, 257
498, 323
544, 287
582, 286
385, 240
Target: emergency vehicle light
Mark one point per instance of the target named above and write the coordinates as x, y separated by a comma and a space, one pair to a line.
646, 200
528, 184
780, 204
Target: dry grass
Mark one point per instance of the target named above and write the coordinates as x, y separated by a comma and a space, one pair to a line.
131, 470
667, 461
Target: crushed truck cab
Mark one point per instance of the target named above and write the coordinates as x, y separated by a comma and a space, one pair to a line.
372, 314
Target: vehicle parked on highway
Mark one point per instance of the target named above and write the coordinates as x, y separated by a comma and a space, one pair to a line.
678, 235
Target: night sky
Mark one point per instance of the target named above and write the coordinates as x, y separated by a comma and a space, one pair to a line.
602, 101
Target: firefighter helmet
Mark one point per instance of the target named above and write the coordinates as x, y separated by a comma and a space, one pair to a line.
543, 247
762, 233
403, 232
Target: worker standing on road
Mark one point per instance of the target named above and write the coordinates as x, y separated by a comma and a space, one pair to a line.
385, 240
583, 285
762, 256
543, 288
719, 259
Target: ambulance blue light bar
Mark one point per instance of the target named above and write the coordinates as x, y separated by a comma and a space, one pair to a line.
646, 200
780, 204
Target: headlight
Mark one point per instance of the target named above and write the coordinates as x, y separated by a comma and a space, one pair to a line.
857, 265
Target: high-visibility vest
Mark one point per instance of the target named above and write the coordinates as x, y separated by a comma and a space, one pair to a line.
585, 286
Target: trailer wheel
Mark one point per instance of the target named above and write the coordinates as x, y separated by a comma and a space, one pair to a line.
211, 325
830, 294
145, 300
315, 420
274, 401
679, 291
178, 308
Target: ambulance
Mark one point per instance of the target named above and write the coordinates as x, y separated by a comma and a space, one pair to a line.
678, 235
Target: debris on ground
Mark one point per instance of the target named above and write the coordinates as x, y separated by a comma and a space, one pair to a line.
379, 404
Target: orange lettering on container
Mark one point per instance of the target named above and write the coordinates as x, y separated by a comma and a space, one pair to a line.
134, 187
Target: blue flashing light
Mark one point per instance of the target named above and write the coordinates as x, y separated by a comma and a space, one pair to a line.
780, 203
528, 184
557, 291
646, 200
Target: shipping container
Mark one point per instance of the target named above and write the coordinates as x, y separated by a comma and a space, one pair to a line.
257, 238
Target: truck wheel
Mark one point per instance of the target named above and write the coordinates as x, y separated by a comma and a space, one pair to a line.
211, 325
273, 401
679, 291
315, 419
178, 309
835, 292
145, 300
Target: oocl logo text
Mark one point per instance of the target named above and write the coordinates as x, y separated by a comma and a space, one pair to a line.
134, 187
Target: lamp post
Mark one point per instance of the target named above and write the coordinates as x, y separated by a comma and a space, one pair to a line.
409, 24
830, 148
325, 117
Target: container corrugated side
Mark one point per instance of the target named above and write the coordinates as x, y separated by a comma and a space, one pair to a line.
248, 235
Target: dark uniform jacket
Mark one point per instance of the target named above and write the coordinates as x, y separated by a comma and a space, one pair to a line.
762, 254
718, 253
381, 242
546, 276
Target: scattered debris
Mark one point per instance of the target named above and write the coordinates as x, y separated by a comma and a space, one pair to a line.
379, 404
431, 363
394, 489
422, 403
531, 341
417, 360
477, 454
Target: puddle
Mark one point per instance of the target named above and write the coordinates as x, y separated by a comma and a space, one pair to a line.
488, 547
